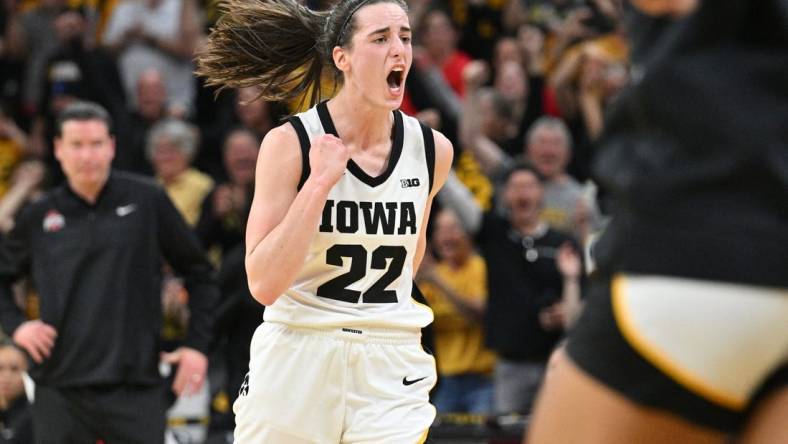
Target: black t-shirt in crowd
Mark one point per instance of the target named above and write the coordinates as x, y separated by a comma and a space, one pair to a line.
97, 270
522, 279
695, 150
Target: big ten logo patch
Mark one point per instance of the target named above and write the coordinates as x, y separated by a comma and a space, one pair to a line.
410, 183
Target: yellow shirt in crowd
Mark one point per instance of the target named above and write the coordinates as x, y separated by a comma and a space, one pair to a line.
459, 342
187, 193
10, 155
471, 175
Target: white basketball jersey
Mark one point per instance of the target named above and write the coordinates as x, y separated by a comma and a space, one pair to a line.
359, 268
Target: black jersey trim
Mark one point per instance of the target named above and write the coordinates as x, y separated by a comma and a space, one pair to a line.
429, 152
397, 135
303, 139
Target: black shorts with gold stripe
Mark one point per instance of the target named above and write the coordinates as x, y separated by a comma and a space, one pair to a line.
706, 351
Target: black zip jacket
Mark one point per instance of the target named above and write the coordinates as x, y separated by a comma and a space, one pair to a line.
98, 269
522, 280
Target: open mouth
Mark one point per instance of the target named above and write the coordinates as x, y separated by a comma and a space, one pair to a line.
395, 78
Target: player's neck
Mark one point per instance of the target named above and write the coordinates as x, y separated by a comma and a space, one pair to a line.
359, 124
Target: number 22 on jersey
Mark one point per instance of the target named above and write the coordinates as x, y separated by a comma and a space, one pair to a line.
337, 289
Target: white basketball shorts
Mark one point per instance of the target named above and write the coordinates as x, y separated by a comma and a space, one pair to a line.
335, 385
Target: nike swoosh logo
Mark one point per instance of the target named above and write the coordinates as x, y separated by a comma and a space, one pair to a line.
406, 382
126, 210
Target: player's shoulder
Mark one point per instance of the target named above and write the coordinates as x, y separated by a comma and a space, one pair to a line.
281, 136
282, 143
444, 157
282, 155
442, 144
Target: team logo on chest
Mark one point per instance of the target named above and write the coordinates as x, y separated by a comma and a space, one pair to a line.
53, 221
410, 183
369, 217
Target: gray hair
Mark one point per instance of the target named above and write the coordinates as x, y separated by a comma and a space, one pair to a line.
550, 123
183, 135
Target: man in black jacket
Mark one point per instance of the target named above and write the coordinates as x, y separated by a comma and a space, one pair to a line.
95, 248
534, 282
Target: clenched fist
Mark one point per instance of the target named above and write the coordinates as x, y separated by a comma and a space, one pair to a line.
328, 159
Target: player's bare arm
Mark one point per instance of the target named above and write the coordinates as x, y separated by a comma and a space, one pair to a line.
283, 220
444, 152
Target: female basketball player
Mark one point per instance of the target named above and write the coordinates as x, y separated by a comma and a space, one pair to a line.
686, 339
337, 226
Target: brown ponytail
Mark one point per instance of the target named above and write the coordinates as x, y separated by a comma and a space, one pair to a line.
279, 46
271, 44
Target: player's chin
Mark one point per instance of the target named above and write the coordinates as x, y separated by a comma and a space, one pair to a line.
393, 98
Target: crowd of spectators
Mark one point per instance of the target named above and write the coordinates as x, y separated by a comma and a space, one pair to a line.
519, 86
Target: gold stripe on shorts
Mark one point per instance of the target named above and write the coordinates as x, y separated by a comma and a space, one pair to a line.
685, 327
423, 437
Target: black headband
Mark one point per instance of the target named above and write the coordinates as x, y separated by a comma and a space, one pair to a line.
347, 20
